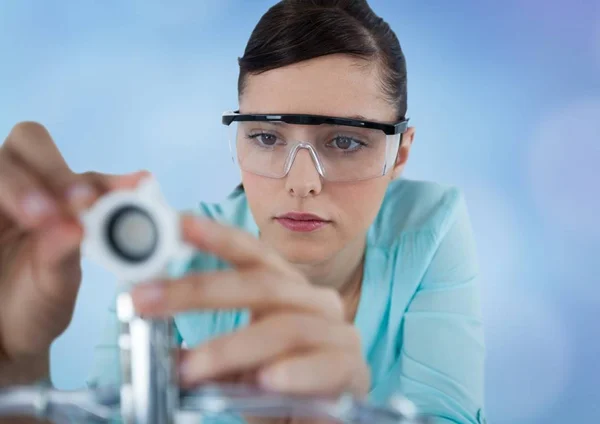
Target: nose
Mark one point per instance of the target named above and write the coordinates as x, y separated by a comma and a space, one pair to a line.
303, 179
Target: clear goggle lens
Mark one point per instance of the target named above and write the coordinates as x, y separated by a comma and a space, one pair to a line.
339, 152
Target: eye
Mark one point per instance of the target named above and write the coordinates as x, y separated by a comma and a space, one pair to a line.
347, 143
265, 139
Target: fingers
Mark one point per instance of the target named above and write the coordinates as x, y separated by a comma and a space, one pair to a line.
57, 246
255, 289
22, 199
30, 146
264, 342
320, 372
35, 178
31, 143
239, 248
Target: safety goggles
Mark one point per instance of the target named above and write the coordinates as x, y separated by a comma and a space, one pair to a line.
342, 149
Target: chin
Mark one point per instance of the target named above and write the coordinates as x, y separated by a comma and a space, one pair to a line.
304, 253
303, 249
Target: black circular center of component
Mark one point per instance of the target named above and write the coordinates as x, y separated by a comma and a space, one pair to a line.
132, 233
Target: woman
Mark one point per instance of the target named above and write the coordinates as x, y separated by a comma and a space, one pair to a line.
324, 272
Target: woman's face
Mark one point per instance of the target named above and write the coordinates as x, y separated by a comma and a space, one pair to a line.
335, 85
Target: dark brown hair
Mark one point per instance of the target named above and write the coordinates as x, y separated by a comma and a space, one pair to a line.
293, 31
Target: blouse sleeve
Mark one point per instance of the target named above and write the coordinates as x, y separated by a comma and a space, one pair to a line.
440, 364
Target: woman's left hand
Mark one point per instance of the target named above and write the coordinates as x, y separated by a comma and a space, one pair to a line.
298, 341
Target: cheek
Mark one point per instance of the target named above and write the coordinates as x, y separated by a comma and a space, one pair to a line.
260, 192
359, 203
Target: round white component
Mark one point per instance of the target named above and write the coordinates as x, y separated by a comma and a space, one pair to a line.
134, 233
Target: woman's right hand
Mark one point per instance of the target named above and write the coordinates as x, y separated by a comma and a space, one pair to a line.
40, 237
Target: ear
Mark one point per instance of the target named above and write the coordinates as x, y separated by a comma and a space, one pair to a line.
403, 152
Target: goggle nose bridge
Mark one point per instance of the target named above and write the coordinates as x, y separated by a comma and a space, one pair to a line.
292, 157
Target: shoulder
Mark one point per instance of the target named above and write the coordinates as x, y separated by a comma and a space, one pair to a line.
414, 206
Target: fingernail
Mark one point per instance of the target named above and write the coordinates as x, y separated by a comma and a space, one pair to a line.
80, 195
37, 205
147, 295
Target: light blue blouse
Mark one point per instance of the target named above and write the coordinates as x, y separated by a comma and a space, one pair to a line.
419, 313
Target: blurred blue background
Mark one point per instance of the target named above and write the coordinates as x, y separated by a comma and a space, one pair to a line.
506, 100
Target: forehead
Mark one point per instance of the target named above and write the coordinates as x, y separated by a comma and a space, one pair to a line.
334, 85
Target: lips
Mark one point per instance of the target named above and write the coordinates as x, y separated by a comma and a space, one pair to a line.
301, 222
300, 216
